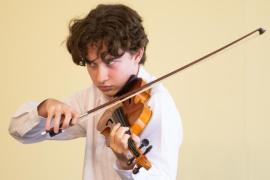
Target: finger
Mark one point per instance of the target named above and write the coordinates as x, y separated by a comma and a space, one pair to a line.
119, 135
114, 129
66, 120
123, 147
49, 118
112, 134
136, 139
75, 117
57, 118
124, 142
119, 141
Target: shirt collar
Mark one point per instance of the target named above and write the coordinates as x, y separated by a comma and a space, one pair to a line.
145, 75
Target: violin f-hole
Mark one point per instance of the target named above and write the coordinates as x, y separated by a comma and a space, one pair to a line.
109, 121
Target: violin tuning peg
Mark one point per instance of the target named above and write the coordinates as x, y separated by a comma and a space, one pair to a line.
144, 142
136, 170
148, 149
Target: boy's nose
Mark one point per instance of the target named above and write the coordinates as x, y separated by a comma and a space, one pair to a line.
102, 74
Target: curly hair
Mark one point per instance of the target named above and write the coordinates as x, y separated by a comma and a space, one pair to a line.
116, 26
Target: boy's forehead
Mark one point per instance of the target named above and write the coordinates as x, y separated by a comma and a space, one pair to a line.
95, 49
100, 49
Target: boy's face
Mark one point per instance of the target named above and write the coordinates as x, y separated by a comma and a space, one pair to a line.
110, 77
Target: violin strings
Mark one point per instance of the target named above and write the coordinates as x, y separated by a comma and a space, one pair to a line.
122, 114
119, 116
133, 147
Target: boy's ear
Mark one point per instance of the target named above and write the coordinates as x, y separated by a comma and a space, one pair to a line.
138, 55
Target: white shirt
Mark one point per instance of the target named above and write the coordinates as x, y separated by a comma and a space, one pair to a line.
164, 132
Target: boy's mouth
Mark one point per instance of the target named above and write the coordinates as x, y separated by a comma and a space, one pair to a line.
105, 88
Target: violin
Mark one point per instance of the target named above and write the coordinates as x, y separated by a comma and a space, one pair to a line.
129, 108
133, 113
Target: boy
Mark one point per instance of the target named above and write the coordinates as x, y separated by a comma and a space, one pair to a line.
110, 41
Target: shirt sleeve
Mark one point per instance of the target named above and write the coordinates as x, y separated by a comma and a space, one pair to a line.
164, 132
27, 126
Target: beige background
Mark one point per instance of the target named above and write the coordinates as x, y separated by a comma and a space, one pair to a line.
224, 102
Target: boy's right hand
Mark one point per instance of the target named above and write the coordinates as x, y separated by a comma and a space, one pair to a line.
62, 114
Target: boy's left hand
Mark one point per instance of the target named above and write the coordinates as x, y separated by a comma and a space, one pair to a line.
119, 145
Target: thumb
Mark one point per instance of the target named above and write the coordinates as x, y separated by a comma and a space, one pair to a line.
136, 139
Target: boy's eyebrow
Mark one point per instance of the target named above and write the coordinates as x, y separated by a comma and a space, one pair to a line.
91, 60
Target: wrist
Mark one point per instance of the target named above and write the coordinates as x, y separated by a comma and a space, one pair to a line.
122, 162
123, 165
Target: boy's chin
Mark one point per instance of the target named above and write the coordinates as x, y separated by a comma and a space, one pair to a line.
109, 93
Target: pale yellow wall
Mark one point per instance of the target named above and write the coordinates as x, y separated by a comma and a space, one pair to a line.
224, 102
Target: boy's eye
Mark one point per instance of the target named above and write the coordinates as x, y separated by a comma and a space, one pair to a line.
110, 61
90, 63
